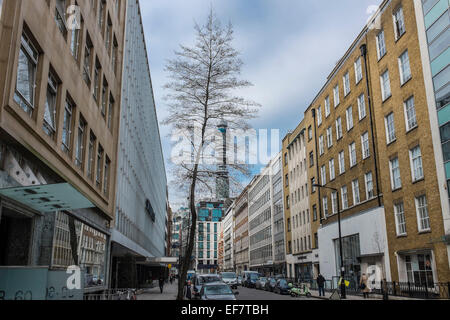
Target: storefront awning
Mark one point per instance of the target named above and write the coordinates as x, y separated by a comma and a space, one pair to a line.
47, 198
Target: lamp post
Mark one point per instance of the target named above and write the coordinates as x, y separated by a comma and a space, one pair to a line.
343, 294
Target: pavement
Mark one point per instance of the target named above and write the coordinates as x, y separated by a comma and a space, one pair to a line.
169, 293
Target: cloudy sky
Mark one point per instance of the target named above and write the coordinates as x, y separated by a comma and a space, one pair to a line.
289, 47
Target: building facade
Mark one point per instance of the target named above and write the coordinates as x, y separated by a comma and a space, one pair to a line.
228, 236
241, 236
60, 80
141, 205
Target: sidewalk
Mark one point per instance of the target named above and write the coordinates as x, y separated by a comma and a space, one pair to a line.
169, 293
372, 296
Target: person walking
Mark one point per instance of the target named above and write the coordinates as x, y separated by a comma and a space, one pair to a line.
161, 283
363, 285
321, 285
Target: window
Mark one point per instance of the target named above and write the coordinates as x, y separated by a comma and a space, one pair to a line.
26, 75
330, 137
405, 69
108, 35
346, 80
325, 206
336, 96
286, 179
400, 221
87, 61
410, 114
416, 163
327, 107
97, 74
110, 111
381, 45
79, 157
60, 16
106, 177
365, 145
67, 126
390, 128
49, 124
114, 55
399, 23
319, 116
395, 174
98, 179
423, 219
90, 169
341, 162
358, 70
338, 128
101, 14
385, 85
332, 170
314, 209
313, 182
356, 195
287, 202
105, 97
369, 186
311, 159
75, 39
323, 175
344, 197
310, 133
349, 118
321, 145
362, 107
334, 202
352, 154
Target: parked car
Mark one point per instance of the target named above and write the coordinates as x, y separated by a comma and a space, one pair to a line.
250, 278
199, 280
217, 291
239, 279
282, 287
270, 284
230, 278
261, 283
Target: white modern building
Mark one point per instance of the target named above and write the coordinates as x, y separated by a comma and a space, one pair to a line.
228, 236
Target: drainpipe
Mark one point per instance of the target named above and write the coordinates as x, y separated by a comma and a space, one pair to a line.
363, 49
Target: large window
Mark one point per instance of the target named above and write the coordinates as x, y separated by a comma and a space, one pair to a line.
346, 80
76, 37
344, 195
67, 126
90, 169
26, 75
49, 124
60, 16
390, 128
356, 195
321, 145
381, 45
341, 162
327, 107
423, 218
405, 69
410, 114
319, 116
352, 154
330, 137
400, 221
332, 170
80, 143
395, 174
362, 107
336, 95
349, 118
365, 145
416, 163
351, 256
338, 128
325, 206
419, 270
87, 60
358, 70
399, 23
385, 85
323, 175
369, 186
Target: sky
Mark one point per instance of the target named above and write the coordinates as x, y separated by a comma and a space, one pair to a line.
288, 47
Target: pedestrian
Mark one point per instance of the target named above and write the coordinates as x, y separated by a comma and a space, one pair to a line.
171, 279
188, 290
363, 285
161, 283
321, 285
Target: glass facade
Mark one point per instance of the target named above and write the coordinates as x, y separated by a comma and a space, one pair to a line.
351, 252
437, 22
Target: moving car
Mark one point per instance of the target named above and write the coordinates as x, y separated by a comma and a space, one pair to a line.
250, 278
199, 280
217, 291
230, 278
282, 287
270, 284
261, 283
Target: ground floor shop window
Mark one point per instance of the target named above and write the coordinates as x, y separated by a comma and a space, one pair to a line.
351, 251
419, 269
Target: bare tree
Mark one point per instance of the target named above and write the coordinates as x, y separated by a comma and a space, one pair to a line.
203, 81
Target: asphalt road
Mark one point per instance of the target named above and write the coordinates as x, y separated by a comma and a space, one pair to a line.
253, 294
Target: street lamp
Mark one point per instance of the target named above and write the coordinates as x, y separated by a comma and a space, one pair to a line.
343, 294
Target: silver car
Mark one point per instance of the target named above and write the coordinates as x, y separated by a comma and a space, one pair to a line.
230, 278
217, 291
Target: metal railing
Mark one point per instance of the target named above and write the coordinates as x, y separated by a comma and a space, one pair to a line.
111, 294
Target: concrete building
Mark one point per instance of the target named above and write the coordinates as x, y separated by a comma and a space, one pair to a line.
278, 226
302, 260
60, 96
228, 236
261, 223
210, 215
141, 207
241, 238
